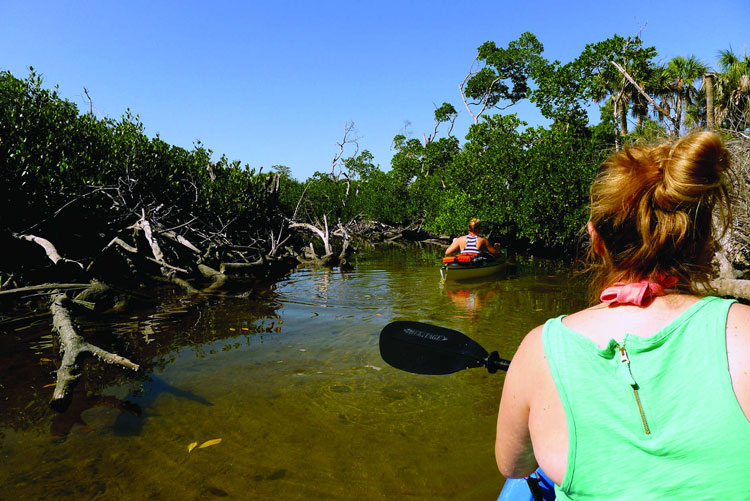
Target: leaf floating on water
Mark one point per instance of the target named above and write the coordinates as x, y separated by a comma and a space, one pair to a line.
45, 360
191, 446
209, 443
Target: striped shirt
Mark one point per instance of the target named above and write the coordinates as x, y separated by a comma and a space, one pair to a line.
471, 244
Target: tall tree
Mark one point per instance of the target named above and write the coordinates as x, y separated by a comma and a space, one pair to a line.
682, 73
733, 91
599, 64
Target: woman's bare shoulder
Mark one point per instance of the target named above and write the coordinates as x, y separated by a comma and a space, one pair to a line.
739, 316
738, 325
738, 353
584, 321
530, 352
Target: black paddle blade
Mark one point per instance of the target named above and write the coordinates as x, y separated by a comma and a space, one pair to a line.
428, 349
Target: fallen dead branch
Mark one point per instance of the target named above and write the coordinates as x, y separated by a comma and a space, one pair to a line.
50, 250
732, 287
42, 287
72, 347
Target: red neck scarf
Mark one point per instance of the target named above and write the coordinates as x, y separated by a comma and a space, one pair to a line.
638, 292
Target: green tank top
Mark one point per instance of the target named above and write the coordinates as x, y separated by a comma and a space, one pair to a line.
657, 420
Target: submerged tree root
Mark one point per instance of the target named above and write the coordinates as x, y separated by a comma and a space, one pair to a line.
72, 346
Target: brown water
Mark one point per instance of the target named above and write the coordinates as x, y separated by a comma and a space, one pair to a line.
291, 382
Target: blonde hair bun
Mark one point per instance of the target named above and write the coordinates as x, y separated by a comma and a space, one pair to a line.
653, 207
693, 170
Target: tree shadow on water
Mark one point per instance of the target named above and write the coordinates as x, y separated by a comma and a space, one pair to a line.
133, 410
130, 424
81, 401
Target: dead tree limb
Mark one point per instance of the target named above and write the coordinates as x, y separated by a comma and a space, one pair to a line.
144, 225
179, 239
485, 99
320, 232
132, 250
337, 159
217, 278
345, 249
49, 249
648, 98
43, 287
73, 346
245, 268
732, 287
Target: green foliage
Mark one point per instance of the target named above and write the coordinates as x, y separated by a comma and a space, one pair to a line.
505, 71
59, 164
525, 186
733, 91
445, 113
361, 166
457, 208
528, 185
649, 132
324, 196
553, 185
382, 198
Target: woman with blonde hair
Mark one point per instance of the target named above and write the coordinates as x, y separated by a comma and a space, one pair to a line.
472, 243
645, 395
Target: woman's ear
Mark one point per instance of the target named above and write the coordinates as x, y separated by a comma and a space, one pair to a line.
596, 240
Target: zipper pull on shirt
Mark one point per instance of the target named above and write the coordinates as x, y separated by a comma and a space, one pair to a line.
624, 370
623, 354
624, 367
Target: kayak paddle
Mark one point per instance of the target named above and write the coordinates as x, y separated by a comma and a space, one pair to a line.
428, 349
422, 348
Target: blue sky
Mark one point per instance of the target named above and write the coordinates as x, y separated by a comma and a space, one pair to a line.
276, 82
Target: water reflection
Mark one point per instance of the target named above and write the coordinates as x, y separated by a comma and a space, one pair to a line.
471, 299
291, 379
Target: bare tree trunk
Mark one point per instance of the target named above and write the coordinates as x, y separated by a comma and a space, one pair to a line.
678, 116
708, 81
615, 118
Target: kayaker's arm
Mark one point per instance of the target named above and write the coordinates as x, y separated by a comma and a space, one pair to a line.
484, 244
455, 246
738, 353
513, 448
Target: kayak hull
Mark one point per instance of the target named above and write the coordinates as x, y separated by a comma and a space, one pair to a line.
470, 271
517, 489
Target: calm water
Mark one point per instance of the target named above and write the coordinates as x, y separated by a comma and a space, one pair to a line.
291, 382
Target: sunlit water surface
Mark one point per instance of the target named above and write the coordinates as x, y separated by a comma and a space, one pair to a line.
297, 392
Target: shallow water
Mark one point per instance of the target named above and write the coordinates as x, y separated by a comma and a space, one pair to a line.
291, 382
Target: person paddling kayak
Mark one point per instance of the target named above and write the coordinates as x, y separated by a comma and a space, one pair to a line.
472, 243
645, 395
